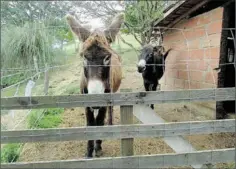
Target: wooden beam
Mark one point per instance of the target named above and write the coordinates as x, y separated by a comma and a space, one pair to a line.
142, 161
131, 98
146, 115
177, 5
194, 8
119, 131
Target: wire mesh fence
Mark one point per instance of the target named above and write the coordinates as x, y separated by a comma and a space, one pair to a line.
192, 64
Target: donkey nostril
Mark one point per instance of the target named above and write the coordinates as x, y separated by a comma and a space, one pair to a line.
141, 69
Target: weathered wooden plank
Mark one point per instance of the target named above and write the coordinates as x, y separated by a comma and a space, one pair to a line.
131, 98
126, 117
121, 131
177, 143
143, 161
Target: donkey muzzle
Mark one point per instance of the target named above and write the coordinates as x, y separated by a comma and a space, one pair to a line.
141, 69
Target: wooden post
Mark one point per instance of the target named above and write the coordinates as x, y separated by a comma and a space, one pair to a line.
126, 117
46, 80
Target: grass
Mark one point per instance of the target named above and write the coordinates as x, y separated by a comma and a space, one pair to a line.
10, 153
72, 89
29, 41
21, 92
48, 118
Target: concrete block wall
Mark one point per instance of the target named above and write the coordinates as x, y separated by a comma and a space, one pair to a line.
196, 50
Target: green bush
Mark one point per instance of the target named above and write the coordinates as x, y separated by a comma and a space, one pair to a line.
20, 45
10, 153
48, 118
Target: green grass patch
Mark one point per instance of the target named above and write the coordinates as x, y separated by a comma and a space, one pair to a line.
10, 153
72, 88
11, 91
129, 58
48, 118
21, 92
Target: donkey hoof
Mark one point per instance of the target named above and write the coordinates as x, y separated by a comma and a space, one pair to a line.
87, 156
98, 153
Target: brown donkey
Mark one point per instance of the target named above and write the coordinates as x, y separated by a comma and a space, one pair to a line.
101, 71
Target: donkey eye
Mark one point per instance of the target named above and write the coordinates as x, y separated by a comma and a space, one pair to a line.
107, 60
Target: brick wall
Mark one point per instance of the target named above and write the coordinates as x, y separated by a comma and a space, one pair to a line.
196, 48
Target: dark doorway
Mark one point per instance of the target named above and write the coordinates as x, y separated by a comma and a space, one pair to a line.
226, 77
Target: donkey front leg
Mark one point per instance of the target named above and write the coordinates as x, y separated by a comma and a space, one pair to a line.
110, 113
100, 122
153, 87
148, 87
90, 122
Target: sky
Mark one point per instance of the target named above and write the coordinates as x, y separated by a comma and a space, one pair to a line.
97, 22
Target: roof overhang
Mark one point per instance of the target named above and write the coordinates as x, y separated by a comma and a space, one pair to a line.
183, 9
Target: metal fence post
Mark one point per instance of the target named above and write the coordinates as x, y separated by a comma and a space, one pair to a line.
46, 79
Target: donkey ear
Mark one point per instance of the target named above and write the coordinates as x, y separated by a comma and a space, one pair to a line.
162, 50
80, 31
114, 27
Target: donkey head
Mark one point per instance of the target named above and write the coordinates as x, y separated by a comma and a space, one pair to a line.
150, 55
96, 52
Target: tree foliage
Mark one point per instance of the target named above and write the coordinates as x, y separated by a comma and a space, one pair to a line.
21, 45
20, 12
104, 10
140, 16
51, 13
37, 25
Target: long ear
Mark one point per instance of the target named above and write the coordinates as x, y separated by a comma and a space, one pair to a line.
162, 50
80, 31
114, 27
166, 54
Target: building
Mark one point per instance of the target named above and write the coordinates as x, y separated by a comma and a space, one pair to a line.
203, 46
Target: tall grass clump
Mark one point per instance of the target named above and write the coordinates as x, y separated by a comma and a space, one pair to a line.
10, 153
48, 118
29, 46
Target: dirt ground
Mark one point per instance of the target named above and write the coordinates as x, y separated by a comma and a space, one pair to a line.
74, 117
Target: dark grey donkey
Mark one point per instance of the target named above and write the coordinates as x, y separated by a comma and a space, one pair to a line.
152, 66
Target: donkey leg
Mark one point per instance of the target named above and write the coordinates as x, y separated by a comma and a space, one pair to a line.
153, 88
147, 87
110, 113
100, 122
90, 122
110, 110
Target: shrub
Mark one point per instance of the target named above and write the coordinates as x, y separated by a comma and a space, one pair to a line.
20, 46
48, 118
10, 153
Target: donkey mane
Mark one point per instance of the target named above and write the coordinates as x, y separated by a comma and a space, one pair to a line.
98, 38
